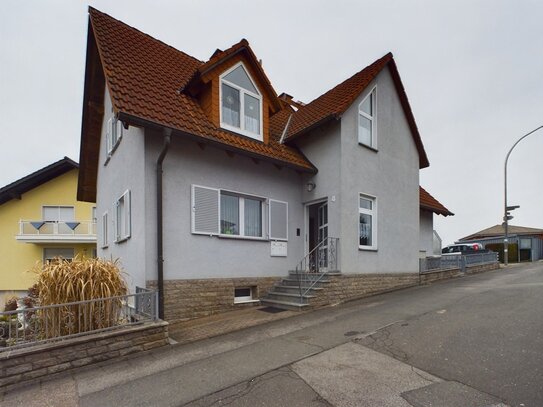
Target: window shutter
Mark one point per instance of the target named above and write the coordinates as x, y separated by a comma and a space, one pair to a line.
205, 210
117, 221
278, 220
118, 130
128, 215
109, 136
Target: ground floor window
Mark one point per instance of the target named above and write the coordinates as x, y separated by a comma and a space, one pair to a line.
122, 218
50, 254
240, 216
367, 222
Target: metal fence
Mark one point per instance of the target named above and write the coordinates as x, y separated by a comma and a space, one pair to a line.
43, 227
28, 326
458, 261
320, 261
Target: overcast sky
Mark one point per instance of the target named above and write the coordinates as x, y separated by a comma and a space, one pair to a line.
472, 71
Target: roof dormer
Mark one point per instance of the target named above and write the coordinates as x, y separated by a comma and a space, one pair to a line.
235, 93
240, 103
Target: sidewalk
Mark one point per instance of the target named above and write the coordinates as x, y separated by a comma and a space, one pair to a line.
207, 327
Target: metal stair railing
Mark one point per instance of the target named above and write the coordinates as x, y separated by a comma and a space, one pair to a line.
317, 264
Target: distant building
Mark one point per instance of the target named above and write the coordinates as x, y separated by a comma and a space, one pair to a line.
430, 242
40, 218
529, 241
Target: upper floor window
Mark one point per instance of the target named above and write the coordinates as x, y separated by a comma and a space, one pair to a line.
114, 132
367, 133
58, 213
241, 103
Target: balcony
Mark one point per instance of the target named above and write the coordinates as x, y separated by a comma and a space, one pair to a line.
40, 231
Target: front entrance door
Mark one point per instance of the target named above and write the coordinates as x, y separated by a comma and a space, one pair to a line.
322, 223
317, 233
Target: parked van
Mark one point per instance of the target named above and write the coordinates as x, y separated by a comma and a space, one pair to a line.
463, 248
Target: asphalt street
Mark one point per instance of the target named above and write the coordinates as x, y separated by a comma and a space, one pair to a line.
490, 338
471, 341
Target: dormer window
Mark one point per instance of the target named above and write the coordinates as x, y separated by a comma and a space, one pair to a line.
241, 103
367, 134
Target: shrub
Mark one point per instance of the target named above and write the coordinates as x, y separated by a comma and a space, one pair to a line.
61, 281
33, 292
11, 304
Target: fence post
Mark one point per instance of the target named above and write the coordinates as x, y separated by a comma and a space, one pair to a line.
463, 263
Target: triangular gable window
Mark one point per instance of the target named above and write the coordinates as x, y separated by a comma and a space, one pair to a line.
239, 77
241, 103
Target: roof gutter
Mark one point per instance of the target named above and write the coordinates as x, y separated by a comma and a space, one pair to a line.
159, 239
137, 121
319, 123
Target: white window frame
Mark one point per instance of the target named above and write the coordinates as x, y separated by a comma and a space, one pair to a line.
105, 227
241, 196
372, 118
373, 214
58, 209
265, 207
242, 92
114, 134
245, 299
123, 229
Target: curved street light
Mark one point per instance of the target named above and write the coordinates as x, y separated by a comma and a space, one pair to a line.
506, 209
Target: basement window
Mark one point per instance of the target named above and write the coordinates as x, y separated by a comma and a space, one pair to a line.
244, 294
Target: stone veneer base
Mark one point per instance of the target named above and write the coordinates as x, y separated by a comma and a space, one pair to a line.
196, 298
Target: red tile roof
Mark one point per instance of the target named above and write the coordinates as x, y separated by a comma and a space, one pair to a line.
428, 202
332, 104
144, 77
150, 84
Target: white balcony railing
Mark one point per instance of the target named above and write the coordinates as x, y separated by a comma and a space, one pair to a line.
46, 231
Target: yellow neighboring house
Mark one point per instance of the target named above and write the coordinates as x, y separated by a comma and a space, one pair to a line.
40, 218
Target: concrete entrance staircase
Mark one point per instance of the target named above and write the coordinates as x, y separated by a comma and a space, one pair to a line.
301, 288
286, 293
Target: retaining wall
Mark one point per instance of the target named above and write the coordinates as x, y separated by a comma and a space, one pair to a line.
436, 275
347, 287
26, 365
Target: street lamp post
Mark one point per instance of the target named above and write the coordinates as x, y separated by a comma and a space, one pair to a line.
506, 215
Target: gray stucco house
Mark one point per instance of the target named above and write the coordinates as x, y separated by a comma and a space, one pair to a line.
212, 187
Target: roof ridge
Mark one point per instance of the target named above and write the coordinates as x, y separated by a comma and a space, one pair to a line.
95, 10
336, 100
387, 56
52, 170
